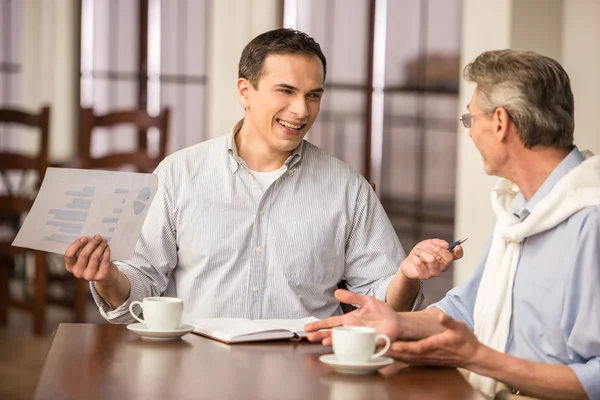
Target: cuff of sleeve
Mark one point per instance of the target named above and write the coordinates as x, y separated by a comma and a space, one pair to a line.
380, 290
448, 308
420, 299
120, 315
588, 377
442, 306
380, 293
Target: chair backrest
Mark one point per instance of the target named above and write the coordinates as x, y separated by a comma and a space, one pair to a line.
15, 200
140, 158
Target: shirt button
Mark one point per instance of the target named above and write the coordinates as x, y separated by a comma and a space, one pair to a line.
262, 212
255, 288
251, 176
258, 250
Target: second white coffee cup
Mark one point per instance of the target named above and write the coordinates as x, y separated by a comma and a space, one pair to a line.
356, 344
160, 313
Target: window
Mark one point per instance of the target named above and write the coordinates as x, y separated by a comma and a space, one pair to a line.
145, 54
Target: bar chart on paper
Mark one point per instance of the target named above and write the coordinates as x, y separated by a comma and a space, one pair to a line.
72, 203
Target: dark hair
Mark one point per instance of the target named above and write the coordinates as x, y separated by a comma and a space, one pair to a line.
277, 41
534, 90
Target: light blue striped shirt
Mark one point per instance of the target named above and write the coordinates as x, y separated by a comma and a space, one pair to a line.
213, 237
556, 293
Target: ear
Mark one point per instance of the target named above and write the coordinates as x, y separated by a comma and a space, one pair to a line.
243, 88
501, 124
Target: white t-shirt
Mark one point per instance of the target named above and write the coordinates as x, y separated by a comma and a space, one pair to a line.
265, 179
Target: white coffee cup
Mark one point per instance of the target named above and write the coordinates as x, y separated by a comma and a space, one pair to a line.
160, 313
356, 344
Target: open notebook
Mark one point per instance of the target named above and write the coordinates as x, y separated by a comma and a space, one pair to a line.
241, 330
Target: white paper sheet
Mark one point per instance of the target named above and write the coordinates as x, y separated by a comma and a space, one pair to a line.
76, 202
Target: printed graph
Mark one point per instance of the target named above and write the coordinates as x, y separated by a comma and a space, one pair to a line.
68, 222
72, 203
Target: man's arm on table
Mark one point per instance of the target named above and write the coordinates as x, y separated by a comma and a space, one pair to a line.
447, 342
457, 346
532, 378
378, 315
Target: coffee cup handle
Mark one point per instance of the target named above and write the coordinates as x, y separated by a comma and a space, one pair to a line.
385, 348
142, 307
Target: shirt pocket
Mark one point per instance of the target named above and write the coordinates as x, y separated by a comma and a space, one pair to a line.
309, 251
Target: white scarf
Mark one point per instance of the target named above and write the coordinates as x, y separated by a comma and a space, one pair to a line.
578, 189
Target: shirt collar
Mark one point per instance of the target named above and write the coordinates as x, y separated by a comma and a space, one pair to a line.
522, 208
235, 161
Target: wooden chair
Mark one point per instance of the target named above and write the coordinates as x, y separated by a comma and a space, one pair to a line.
14, 201
140, 158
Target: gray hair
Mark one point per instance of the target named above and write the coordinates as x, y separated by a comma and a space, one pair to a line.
534, 90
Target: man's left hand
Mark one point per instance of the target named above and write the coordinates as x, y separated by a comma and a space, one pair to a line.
429, 258
457, 346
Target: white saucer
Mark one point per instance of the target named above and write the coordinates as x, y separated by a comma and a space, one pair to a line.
368, 367
141, 330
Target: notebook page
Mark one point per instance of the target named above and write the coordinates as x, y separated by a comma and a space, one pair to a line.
293, 325
228, 328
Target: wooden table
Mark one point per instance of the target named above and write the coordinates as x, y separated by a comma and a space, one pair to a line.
95, 361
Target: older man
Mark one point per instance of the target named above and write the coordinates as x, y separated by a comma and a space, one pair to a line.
530, 315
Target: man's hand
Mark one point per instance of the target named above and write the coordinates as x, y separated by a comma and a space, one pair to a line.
373, 313
429, 258
456, 346
90, 260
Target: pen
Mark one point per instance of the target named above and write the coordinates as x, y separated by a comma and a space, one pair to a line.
456, 243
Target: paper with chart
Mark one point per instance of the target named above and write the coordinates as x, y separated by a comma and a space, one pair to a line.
78, 202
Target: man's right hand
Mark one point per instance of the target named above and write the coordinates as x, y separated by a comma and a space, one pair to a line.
89, 259
379, 315
372, 313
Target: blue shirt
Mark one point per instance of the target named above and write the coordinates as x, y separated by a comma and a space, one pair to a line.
556, 292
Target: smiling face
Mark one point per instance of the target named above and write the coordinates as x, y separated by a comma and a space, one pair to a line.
283, 107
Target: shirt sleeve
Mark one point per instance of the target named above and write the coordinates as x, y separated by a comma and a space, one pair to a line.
581, 319
373, 251
420, 299
459, 303
154, 257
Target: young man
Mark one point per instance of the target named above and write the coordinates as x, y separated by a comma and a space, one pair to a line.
259, 223
529, 316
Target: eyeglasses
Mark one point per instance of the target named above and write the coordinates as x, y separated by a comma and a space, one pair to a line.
467, 119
